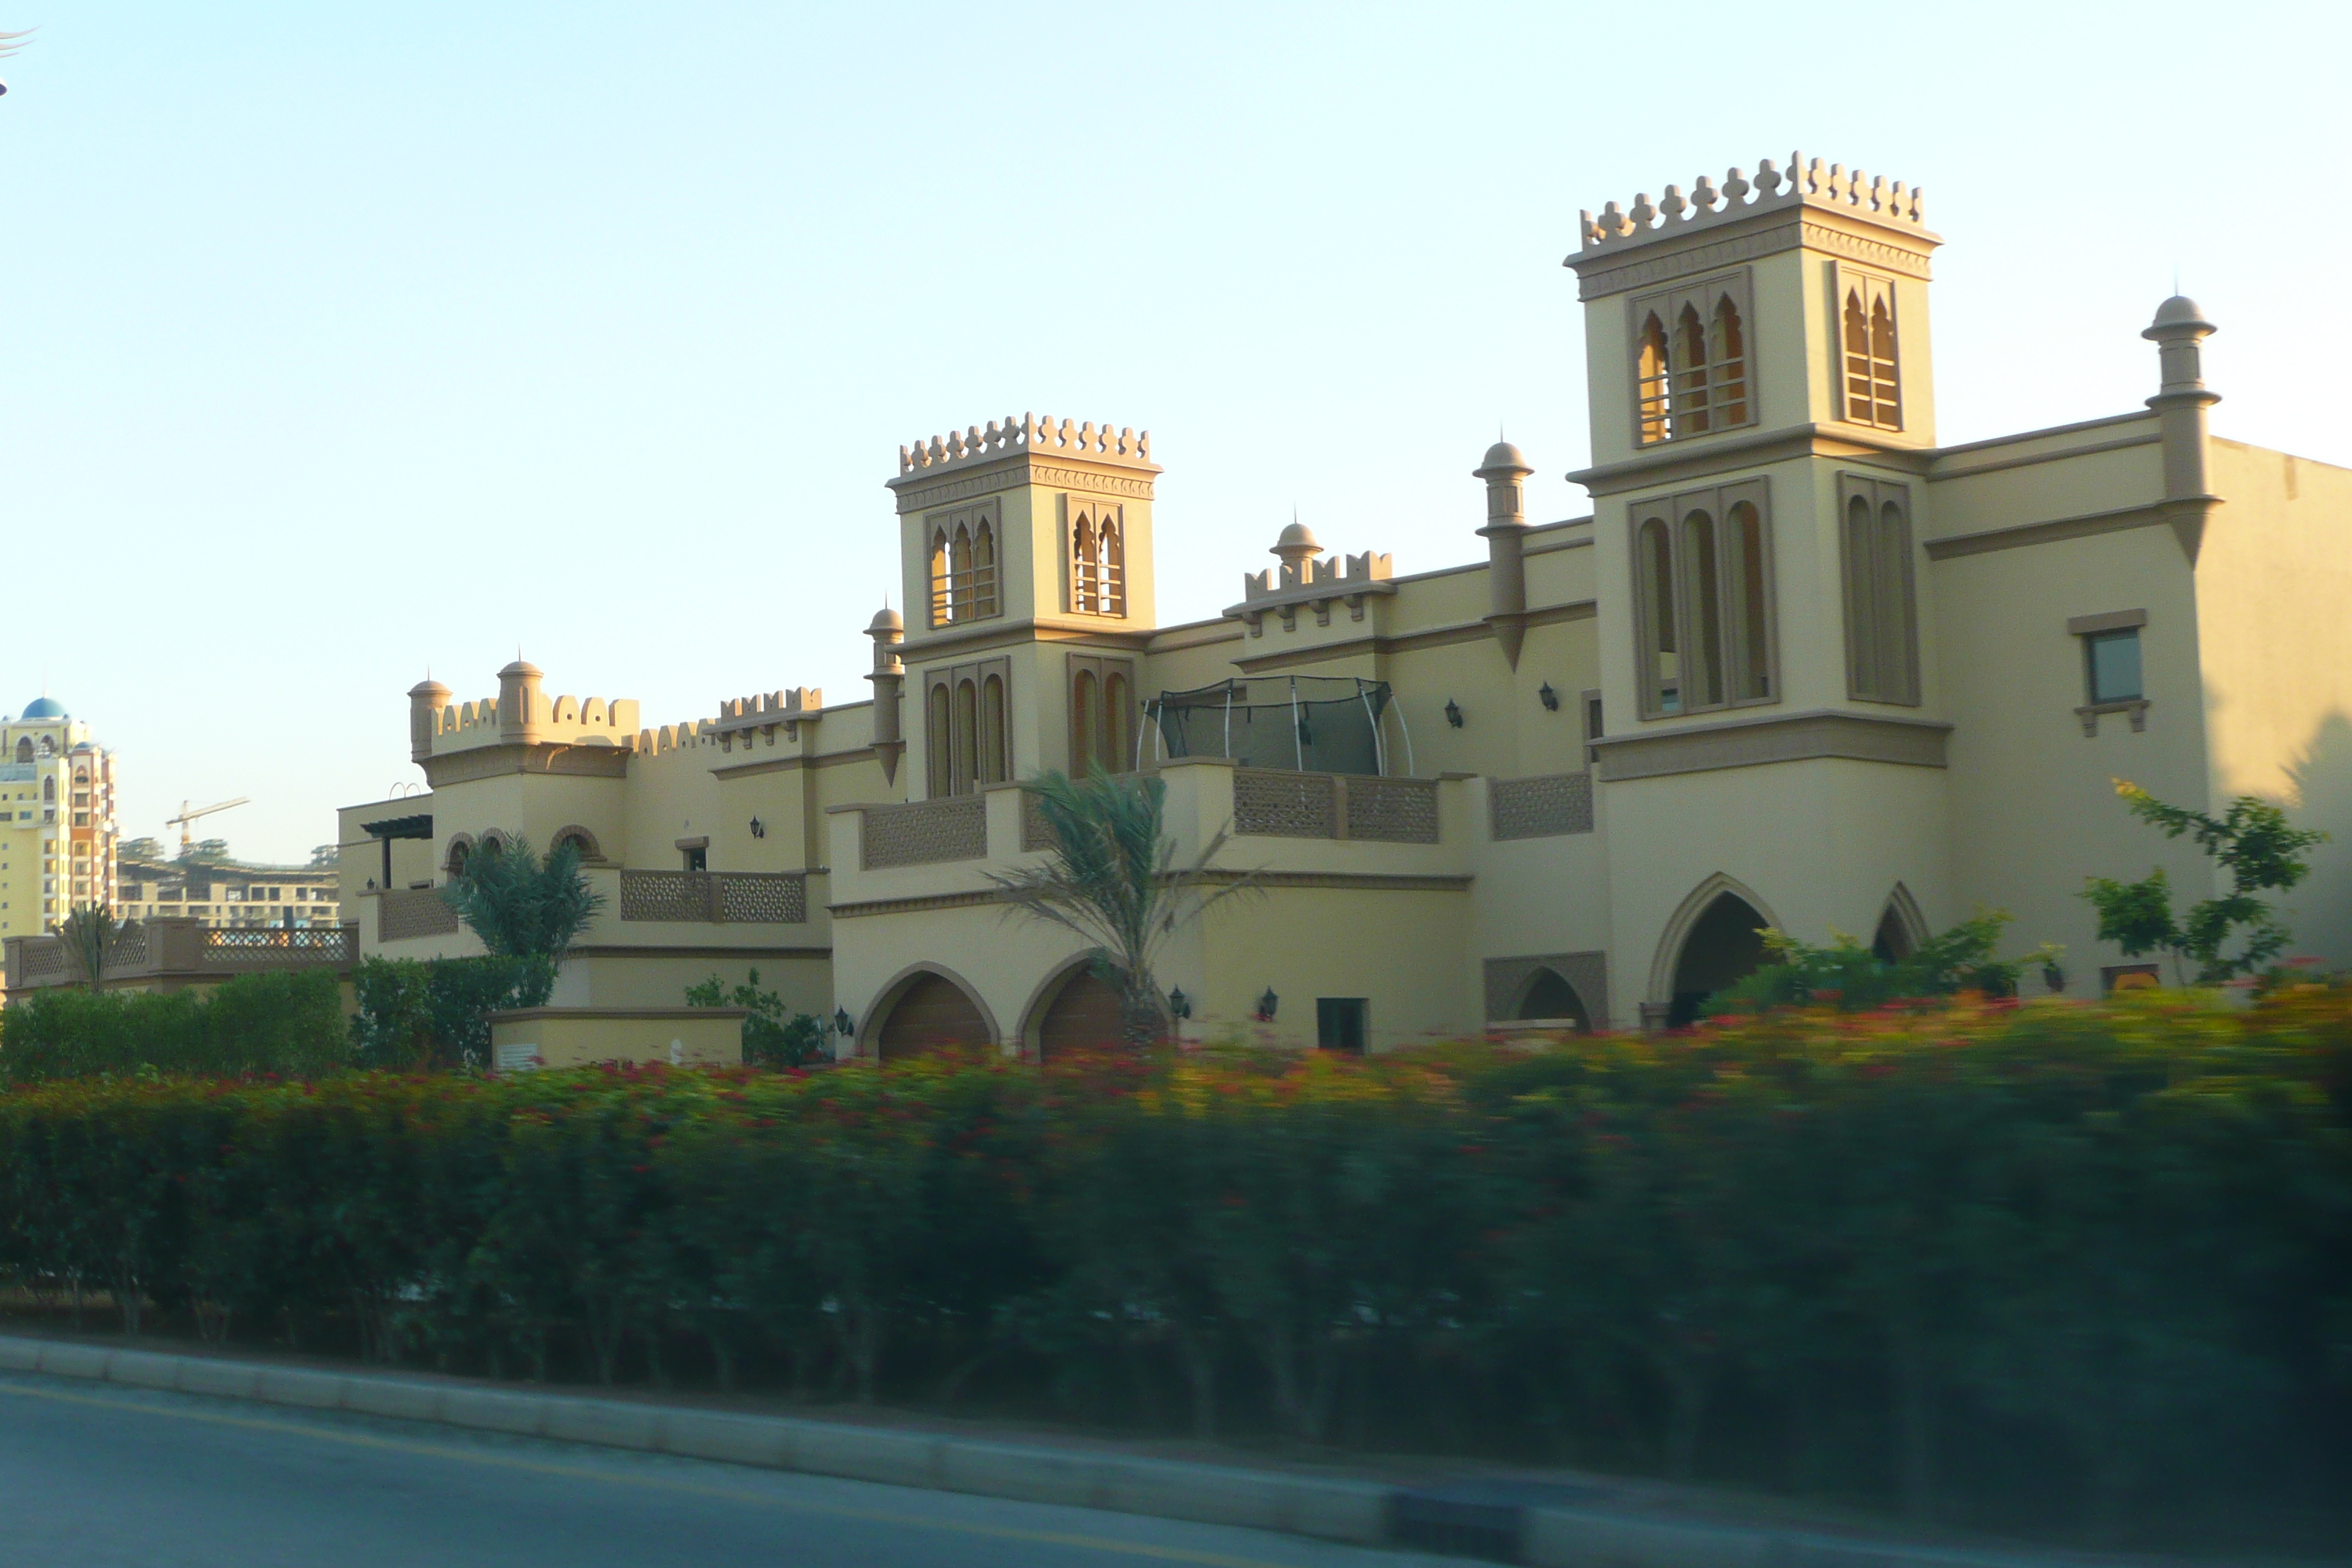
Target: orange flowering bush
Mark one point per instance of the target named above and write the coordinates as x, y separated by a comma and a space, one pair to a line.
2060, 1267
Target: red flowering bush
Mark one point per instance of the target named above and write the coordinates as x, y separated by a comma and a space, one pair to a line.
2052, 1265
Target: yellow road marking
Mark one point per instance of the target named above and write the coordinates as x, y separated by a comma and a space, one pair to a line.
588, 1472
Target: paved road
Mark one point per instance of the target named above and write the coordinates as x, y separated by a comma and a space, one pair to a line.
94, 1477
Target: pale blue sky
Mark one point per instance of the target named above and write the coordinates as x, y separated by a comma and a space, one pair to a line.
340, 339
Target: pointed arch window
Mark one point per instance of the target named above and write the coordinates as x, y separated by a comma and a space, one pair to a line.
1097, 558
1102, 715
1704, 621
1692, 371
961, 548
1882, 634
966, 730
1871, 387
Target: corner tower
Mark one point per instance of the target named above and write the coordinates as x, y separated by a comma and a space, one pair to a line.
1025, 554
1763, 419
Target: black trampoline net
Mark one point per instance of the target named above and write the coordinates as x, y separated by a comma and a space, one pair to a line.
1311, 723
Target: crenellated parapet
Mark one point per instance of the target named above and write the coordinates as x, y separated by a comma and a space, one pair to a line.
1037, 435
567, 722
1308, 578
765, 709
1799, 185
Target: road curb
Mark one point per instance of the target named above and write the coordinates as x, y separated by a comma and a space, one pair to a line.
1471, 1520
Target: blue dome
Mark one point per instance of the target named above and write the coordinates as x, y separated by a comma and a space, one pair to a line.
46, 708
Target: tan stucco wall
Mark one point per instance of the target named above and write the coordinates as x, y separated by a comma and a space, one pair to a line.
681, 1037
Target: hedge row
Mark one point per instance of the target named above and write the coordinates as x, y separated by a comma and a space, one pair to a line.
2057, 1267
287, 1022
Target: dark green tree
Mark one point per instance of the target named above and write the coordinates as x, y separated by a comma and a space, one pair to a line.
521, 906
2261, 853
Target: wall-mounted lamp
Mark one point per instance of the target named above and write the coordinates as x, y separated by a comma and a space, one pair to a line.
759, 828
1266, 1006
1454, 712
1179, 1006
1551, 698
843, 1024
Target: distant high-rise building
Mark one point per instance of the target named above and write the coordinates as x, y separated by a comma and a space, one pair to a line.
58, 839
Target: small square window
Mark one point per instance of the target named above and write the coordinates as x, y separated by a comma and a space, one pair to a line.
1339, 1023
2111, 661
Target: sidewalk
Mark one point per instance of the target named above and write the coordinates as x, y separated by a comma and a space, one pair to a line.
1560, 1521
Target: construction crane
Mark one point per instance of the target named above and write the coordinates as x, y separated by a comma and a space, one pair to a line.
187, 816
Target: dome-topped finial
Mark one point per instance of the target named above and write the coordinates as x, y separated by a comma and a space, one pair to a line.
2177, 315
1296, 543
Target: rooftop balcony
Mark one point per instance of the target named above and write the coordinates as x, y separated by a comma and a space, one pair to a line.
169, 952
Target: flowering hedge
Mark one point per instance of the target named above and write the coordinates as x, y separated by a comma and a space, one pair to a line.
2047, 1267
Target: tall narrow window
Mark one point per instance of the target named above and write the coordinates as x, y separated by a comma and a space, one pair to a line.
1661, 673
1701, 589
1704, 616
1651, 390
1690, 411
1112, 541
1115, 742
1744, 538
1691, 370
992, 768
1881, 639
967, 736
939, 744
983, 570
1728, 362
959, 573
1083, 702
941, 607
1874, 394
1084, 566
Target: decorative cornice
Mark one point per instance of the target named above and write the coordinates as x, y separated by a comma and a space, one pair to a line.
921, 492
869, 907
1782, 738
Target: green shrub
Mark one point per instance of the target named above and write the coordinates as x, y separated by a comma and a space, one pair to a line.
1855, 978
290, 1024
416, 1014
774, 1035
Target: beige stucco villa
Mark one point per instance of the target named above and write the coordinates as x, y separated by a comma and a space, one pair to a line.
1802, 667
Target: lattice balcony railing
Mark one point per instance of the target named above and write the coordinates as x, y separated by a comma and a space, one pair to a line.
1541, 807
1273, 803
924, 832
713, 897
280, 948
402, 913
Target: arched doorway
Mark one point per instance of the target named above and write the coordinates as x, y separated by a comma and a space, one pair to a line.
1892, 945
1723, 946
932, 1014
1551, 998
1084, 1014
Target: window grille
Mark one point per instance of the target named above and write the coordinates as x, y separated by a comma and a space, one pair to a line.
1691, 369
1874, 393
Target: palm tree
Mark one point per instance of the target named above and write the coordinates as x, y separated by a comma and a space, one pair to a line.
88, 933
1112, 879
521, 906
